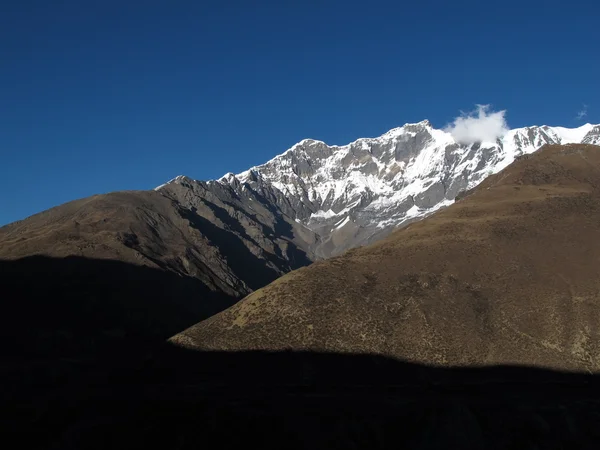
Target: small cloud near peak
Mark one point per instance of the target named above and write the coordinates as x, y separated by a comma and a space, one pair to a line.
479, 125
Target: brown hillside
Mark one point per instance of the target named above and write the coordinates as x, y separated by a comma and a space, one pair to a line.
144, 228
510, 274
122, 269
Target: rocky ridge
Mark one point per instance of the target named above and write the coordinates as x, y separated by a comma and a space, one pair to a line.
340, 197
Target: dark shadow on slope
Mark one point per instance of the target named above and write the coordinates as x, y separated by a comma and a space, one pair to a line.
58, 391
181, 399
284, 230
223, 215
78, 307
294, 257
245, 264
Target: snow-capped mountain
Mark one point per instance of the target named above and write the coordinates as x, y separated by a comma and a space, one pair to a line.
353, 194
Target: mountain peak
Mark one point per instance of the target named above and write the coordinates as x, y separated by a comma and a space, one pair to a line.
407, 127
423, 123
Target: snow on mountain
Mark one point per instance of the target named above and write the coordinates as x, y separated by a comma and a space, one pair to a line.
352, 194
399, 167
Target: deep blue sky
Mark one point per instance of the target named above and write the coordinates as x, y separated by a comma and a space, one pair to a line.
97, 96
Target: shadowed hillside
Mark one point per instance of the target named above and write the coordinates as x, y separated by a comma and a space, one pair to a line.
85, 366
76, 307
509, 274
182, 399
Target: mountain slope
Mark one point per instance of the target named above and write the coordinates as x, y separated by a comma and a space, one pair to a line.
155, 230
355, 194
111, 270
508, 275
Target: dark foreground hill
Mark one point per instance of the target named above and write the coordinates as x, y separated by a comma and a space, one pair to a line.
509, 274
82, 308
181, 399
83, 368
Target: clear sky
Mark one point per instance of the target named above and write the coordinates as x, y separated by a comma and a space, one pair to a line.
98, 96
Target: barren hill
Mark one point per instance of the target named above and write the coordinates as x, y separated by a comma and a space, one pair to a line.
129, 267
510, 274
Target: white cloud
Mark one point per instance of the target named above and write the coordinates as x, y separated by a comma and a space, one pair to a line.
479, 125
581, 114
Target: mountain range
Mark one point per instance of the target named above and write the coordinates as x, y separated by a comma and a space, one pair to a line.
246, 311
240, 232
351, 195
